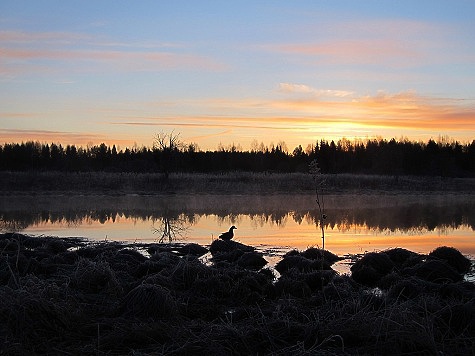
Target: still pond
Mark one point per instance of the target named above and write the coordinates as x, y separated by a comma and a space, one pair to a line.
354, 224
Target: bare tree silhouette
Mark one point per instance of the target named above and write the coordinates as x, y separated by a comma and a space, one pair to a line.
167, 145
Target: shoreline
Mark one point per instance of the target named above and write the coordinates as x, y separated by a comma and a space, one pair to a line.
223, 184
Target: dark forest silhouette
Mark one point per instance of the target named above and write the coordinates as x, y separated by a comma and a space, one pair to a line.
373, 156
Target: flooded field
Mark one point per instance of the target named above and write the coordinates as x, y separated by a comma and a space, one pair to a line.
65, 293
355, 223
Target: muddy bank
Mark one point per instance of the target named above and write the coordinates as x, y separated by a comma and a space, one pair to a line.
72, 296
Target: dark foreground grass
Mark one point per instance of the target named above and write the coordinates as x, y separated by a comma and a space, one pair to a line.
70, 296
226, 183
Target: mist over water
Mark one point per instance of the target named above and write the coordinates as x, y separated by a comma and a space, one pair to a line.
355, 223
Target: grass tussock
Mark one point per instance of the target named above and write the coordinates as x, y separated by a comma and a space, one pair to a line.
75, 297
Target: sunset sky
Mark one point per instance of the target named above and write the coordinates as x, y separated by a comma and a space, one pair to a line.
236, 72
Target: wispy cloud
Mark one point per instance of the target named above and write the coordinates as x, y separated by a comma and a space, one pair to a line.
208, 136
393, 43
132, 60
42, 38
9, 115
257, 123
381, 28
36, 52
362, 52
402, 111
305, 89
62, 137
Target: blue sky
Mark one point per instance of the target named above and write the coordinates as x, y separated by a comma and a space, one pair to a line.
241, 72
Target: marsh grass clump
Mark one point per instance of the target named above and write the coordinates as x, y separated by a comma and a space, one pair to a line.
65, 258
56, 246
453, 257
434, 271
341, 287
165, 259
219, 246
97, 250
193, 249
252, 260
95, 277
149, 301
301, 264
226, 258
408, 274
314, 253
462, 291
315, 280
286, 287
131, 255
402, 257
136, 337
32, 321
309, 260
369, 269
459, 318
405, 289
186, 272
227, 251
249, 288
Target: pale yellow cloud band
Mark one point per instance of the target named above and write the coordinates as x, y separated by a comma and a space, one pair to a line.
405, 110
311, 112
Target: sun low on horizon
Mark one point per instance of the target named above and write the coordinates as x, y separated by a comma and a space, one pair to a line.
236, 73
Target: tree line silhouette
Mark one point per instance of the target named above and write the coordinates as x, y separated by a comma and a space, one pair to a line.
372, 156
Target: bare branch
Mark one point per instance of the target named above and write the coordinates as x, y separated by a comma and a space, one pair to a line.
171, 229
170, 141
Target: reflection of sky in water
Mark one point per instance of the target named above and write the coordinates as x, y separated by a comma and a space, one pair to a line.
355, 224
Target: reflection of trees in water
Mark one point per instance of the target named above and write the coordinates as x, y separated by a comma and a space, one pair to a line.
345, 224
171, 229
172, 226
298, 216
413, 219
407, 218
12, 225
261, 220
230, 218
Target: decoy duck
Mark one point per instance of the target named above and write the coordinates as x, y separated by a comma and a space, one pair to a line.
228, 235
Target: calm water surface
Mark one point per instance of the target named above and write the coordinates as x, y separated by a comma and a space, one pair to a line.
355, 223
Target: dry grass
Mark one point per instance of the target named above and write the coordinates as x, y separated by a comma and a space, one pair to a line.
228, 183
62, 296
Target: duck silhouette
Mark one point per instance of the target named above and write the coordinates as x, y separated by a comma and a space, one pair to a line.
228, 235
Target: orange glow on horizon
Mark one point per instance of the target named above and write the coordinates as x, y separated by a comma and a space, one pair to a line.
303, 116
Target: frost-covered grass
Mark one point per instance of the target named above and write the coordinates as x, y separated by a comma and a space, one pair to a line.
70, 296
